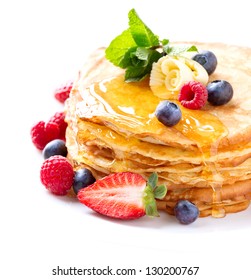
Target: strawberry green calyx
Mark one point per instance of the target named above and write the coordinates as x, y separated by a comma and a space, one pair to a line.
151, 193
150, 203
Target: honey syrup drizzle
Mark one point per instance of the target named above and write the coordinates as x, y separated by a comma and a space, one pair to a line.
131, 106
218, 210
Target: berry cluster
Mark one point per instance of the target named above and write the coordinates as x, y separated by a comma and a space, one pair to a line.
122, 195
57, 173
44, 132
194, 95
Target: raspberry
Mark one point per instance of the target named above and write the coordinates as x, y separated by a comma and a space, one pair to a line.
57, 175
42, 133
63, 92
193, 95
59, 119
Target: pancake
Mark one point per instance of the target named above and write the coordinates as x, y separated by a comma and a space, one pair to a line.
111, 109
236, 195
198, 175
205, 158
94, 134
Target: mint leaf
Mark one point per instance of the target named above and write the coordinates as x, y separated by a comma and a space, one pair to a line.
140, 57
141, 34
135, 74
118, 52
138, 72
177, 50
165, 42
166, 47
136, 62
135, 49
160, 192
192, 49
143, 53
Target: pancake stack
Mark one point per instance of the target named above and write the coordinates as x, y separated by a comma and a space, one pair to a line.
205, 158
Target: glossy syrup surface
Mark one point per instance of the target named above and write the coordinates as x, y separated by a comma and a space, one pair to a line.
131, 106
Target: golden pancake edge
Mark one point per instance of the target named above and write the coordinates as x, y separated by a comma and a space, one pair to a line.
205, 158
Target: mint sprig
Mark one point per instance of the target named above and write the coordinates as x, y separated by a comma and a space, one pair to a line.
137, 48
141, 34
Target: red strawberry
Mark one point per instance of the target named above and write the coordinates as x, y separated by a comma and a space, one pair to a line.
122, 195
193, 95
42, 133
63, 92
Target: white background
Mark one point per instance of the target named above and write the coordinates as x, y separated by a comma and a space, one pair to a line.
43, 44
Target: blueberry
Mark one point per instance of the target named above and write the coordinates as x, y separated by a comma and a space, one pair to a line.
220, 92
186, 212
55, 147
82, 179
168, 113
207, 59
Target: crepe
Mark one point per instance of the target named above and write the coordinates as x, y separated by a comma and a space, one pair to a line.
205, 158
